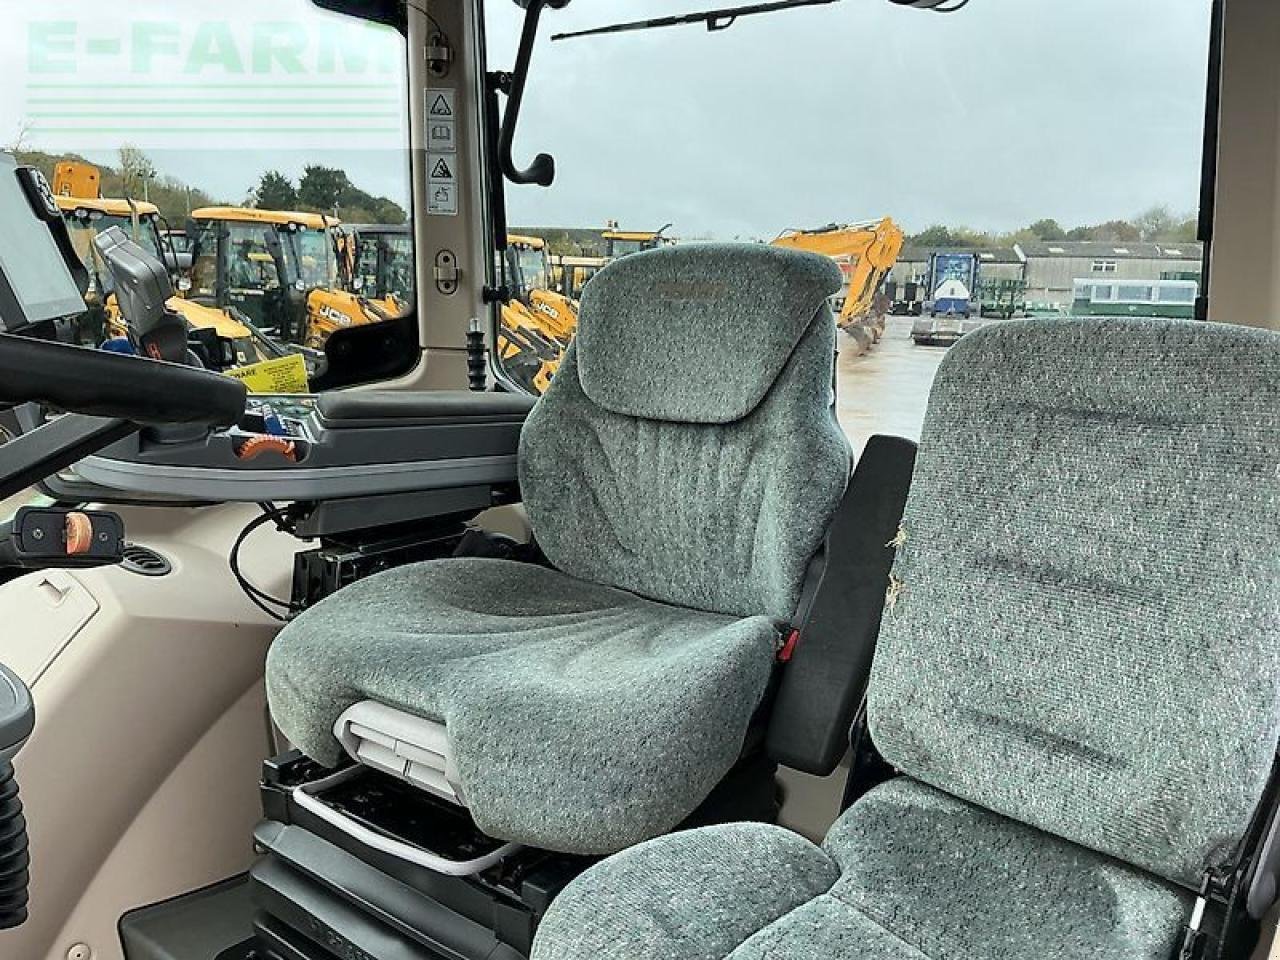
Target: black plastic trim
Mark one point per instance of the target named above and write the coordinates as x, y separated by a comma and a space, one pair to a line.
391, 13
359, 903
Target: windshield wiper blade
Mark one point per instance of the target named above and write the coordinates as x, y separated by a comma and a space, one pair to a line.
715, 20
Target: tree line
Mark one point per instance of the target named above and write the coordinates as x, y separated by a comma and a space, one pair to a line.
325, 190
1157, 225
321, 190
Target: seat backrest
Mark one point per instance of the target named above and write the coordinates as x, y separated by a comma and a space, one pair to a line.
1083, 628
688, 450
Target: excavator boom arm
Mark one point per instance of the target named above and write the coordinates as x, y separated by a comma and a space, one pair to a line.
867, 252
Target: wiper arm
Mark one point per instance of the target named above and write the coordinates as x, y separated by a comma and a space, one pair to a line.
715, 20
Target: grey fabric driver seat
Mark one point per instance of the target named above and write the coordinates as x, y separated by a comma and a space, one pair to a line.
1077, 678
680, 475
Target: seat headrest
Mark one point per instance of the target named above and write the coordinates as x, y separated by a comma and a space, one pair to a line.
697, 334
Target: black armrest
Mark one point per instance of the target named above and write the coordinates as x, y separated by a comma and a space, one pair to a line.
826, 678
444, 407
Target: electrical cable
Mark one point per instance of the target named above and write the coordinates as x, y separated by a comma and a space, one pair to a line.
422, 9
260, 598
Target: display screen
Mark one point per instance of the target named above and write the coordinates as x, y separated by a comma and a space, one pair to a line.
35, 282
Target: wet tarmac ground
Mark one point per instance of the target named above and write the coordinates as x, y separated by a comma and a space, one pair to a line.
886, 390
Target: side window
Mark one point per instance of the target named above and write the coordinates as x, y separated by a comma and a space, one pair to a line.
242, 146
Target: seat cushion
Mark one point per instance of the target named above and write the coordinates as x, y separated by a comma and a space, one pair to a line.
908, 873
583, 718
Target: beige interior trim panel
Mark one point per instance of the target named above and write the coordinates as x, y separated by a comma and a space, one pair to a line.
140, 782
1245, 275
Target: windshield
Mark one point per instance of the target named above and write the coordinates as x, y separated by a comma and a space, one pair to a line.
531, 266
250, 263
1002, 153
623, 248
85, 225
318, 266
384, 266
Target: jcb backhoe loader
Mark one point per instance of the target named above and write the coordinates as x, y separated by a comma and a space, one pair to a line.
622, 243
537, 323
866, 252
281, 269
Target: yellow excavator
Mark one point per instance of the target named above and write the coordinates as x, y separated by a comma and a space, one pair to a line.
77, 187
537, 323
282, 269
865, 252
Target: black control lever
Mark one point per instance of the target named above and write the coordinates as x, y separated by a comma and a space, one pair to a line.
17, 720
543, 169
43, 538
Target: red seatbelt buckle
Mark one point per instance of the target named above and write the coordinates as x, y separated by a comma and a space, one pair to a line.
789, 647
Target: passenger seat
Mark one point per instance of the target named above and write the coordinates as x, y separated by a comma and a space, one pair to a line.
1078, 679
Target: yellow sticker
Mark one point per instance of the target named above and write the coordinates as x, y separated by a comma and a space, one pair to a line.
284, 375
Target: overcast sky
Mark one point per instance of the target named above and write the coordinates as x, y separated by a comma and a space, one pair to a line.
1083, 110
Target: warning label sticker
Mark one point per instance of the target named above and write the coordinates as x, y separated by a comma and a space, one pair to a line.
443, 201
442, 128
284, 375
442, 151
440, 104
442, 170
440, 137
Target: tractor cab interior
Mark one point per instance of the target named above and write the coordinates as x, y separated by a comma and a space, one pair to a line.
413, 664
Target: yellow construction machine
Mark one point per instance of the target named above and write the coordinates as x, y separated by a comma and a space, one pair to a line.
622, 243
282, 269
569, 274
865, 252
77, 186
537, 323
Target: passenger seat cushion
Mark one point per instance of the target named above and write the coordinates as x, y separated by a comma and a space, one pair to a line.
1088, 582
698, 893
583, 718
908, 873
955, 881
